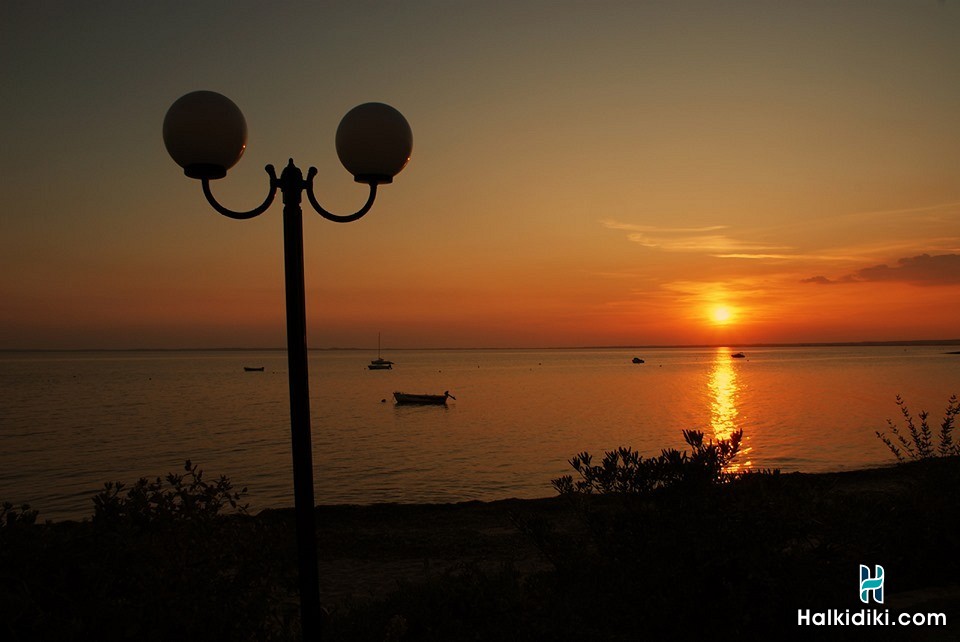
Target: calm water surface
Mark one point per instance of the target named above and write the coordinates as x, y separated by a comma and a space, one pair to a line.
71, 421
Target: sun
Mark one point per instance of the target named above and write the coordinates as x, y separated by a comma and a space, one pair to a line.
721, 314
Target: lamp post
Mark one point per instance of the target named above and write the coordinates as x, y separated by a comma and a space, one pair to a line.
205, 133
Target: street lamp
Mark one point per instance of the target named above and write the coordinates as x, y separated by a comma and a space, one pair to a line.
206, 135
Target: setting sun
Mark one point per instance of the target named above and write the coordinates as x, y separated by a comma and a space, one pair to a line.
721, 315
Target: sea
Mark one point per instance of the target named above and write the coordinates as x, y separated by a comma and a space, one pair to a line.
71, 421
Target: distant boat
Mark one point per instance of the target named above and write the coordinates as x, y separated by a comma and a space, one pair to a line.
424, 400
638, 360
738, 355
380, 363
251, 369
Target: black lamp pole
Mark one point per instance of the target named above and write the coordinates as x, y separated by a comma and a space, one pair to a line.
205, 134
303, 498
292, 185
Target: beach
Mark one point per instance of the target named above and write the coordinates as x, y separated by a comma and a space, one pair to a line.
368, 551
755, 552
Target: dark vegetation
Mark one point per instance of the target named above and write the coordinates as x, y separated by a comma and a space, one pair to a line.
169, 559
917, 444
624, 471
668, 547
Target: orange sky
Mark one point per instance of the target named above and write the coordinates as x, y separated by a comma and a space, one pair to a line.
582, 173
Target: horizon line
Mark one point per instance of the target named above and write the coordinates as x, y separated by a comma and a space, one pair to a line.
799, 344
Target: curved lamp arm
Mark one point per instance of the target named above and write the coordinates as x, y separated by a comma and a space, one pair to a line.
244, 215
333, 217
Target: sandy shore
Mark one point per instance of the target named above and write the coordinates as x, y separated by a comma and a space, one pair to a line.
369, 551
750, 553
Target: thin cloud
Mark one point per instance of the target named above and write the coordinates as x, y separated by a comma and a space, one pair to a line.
756, 257
689, 239
822, 280
917, 209
783, 257
617, 225
925, 269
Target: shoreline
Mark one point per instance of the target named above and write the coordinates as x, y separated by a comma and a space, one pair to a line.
562, 564
397, 505
368, 550
390, 505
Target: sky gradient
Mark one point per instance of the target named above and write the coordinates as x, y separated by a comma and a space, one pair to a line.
595, 173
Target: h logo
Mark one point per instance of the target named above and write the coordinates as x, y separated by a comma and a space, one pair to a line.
870, 585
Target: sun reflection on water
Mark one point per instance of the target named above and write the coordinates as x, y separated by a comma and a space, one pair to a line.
724, 390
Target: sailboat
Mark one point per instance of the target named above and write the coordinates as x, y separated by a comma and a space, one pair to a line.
380, 363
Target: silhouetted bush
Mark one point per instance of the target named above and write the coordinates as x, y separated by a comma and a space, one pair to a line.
183, 498
626, 471
15, 516
920, 445
670, 547
158, 562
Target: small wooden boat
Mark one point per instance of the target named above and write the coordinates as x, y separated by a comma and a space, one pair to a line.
251, 369
423, 400
738, 355
638, 360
